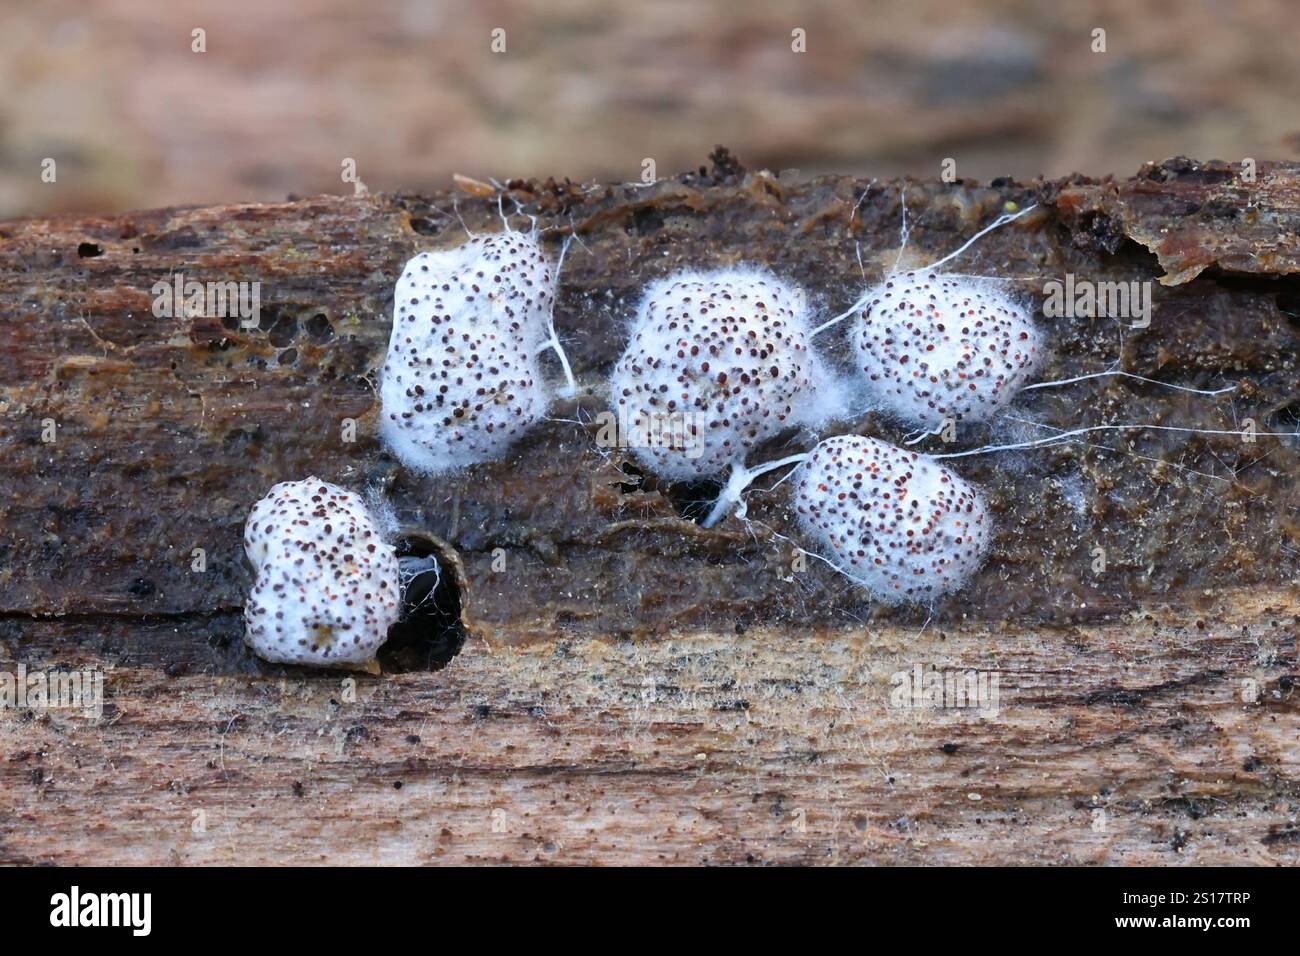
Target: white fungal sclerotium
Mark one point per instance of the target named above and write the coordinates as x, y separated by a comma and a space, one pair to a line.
716, 364
934, 347
901, 524
328, 586
462, 381
896, 522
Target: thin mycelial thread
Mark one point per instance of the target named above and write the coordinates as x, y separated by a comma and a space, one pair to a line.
412, 567
740, 479
1120, 373
571, 387
1065, 436
866, 296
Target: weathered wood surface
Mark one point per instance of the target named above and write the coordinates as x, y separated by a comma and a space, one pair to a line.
636, 688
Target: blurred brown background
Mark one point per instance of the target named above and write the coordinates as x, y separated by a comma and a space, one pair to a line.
412, 91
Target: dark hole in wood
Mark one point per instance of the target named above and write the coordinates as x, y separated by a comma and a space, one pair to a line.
635, 478
1288, 303
431, 631
692, 500
88, 250
318, 328
283, 331
425, 226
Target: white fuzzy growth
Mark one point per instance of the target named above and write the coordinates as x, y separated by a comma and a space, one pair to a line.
899, 523
327, 584
462, 381
935, 347
716, 364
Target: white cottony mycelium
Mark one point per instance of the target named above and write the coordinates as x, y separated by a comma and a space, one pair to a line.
718, 363
462, 381
327, 585
899, 523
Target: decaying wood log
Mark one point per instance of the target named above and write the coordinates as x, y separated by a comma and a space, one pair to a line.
634, 688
